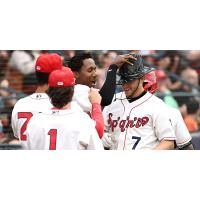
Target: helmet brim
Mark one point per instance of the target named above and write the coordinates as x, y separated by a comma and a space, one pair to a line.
128, 78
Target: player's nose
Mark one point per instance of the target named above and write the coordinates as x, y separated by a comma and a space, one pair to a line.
94, 74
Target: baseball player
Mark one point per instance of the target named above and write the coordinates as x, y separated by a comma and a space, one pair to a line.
84, 69
137, 119
62, 127
183, 137
26, 107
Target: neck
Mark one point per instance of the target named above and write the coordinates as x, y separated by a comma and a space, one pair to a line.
41, 88
137, 93
66, 107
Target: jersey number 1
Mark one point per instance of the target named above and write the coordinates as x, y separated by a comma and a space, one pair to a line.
27, 116
53, 138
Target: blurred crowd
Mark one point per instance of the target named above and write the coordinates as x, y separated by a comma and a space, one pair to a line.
177, 71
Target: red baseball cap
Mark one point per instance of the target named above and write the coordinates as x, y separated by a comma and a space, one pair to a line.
46, 63
62, 78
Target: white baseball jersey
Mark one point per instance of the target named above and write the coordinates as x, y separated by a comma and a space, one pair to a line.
24, 109
62, 129
141, 124
81, 93
182, 134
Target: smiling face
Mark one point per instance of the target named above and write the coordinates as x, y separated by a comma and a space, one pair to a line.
133, 88
87, 74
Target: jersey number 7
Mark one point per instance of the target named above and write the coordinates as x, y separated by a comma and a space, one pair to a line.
27, 116
137, 141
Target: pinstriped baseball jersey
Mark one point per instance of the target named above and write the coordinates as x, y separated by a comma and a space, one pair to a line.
141, 124
182, 134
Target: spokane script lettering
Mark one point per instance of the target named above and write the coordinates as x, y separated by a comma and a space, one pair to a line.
128, 123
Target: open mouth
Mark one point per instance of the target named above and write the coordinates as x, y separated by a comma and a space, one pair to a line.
126, 90
93, 83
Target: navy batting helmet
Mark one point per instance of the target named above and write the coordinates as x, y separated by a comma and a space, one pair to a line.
128, 72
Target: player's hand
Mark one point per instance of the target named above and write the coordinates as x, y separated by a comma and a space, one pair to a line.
94, 96
121, 59
107, 141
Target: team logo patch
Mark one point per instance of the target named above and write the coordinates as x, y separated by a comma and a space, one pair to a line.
60, 83
38, 96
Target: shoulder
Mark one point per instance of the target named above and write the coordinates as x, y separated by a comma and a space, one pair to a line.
118, 99
83, 117
81, 89
81, 93
22, 102
81, 114
119, 96
157, 101
37, 121
37, 117
174, 111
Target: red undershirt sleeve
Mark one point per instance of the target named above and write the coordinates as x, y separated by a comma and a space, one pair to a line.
97, 116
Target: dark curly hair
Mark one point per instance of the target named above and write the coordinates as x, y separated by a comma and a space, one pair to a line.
76, 62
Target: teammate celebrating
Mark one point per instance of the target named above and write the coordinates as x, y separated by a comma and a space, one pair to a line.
62, 127
137, 119
183, 137
84, 69
26, 107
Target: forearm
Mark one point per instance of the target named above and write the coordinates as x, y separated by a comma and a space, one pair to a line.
165, 145
97, 116
108, 89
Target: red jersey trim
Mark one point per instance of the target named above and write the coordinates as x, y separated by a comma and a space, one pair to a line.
168, 138
185, 141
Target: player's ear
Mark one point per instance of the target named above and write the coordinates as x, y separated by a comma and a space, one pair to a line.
76, 75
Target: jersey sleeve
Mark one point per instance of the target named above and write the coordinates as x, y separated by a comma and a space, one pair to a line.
182, 134
163, 125
14, 121
108, 89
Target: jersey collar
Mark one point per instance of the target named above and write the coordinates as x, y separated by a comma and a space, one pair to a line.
39, 96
